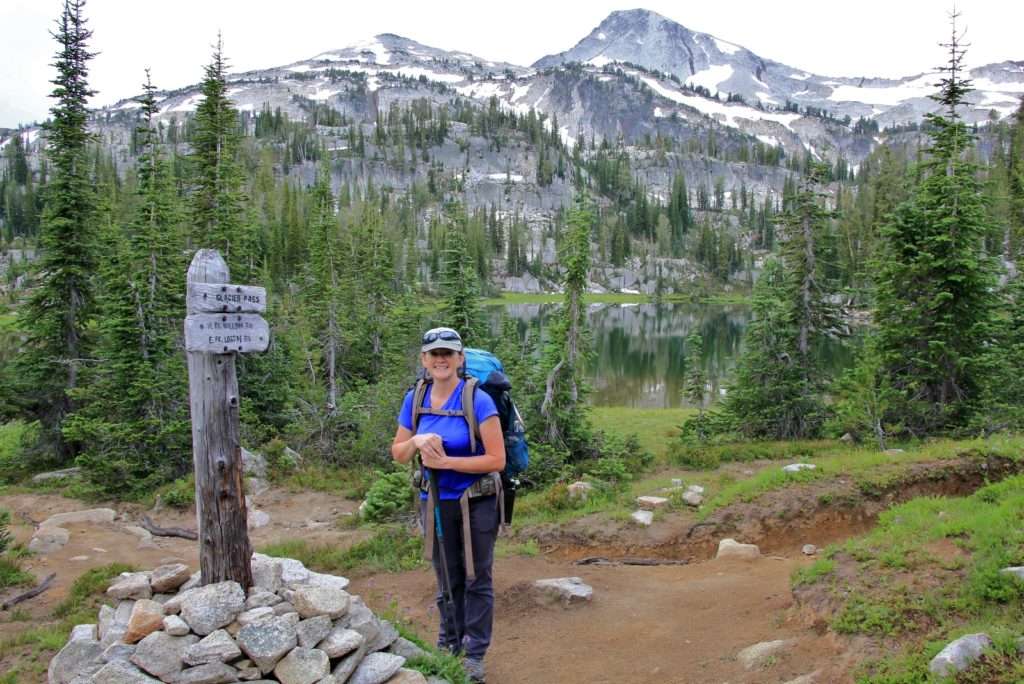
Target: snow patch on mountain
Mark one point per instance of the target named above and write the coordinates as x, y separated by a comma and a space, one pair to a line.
711, 77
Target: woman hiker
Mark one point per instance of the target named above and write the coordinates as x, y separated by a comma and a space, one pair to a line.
467, 486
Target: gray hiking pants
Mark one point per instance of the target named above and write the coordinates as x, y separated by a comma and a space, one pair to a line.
471, 624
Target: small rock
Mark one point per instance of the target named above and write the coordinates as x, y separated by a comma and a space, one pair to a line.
894, 452
175, 626
169, 577
254, 615
645, 518
216, 647
211, 607
303, 666
959, 654
78, 559
568, 590
810, 549
312, 631
696, 489
650, 502
693, 498
48, 539
1017, 571
147, 617
161, 654
93, 515
266, 642
258, 519
133, 586
209, 673
147, 543
730, 548
57, 475
848, 438
676, 482
76, 658
121, 672
313, 601
79, 632
341, 641
754, 656
797, 467
139, 532
377, 668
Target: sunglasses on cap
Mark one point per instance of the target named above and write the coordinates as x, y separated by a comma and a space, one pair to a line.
446, 335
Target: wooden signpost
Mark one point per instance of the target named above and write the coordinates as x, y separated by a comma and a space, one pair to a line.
222, 321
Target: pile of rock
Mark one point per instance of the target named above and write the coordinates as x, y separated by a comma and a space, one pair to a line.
294, 626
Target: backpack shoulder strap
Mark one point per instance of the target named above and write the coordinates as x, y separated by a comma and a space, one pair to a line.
469, 411
419, 392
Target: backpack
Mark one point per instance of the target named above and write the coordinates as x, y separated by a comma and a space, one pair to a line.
483, 369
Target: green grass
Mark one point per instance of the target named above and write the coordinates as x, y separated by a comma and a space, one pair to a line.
901, 588
29, 652
874, 471
11, 439
11, 574
392, 549
655, 428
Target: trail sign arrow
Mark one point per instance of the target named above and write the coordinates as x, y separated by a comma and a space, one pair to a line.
224, 297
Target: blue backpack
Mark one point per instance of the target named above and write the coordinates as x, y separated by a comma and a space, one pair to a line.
484, 370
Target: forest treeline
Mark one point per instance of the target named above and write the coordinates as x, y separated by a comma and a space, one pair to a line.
925, 234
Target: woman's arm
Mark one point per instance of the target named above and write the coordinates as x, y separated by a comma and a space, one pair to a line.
493, 458
406, 444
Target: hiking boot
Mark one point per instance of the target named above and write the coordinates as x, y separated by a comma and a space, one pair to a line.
474, 669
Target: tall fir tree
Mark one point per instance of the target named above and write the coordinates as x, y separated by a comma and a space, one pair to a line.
460, 285
218, 201
322, 292
46, 375
935, 307
562, 411
134, 422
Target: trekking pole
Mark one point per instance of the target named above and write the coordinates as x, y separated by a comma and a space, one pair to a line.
447, 598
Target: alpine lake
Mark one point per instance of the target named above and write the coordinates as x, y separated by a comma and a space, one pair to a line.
640, 349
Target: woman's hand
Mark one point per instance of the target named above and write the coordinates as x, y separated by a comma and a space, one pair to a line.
431, 448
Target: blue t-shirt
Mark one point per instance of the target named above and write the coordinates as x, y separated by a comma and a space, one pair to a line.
454, 432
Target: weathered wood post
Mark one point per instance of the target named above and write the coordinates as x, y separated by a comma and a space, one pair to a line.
217, 327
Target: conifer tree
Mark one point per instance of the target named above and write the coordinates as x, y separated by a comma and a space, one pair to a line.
460, 286
770, 397
562, 410
934, 303
217, 197
134, 424
57, 314
323, 290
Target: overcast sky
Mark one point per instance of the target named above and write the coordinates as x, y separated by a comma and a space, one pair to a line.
891, 38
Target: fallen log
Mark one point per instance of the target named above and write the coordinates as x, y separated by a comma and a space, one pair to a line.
11, 602
152, 528
601, 560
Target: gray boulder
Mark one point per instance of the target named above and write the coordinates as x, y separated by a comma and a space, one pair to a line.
567, 590
303, 666
169, 577
312, 601
266, 642
132, 586
161, 654
208, 608
377, 668
312, 631
77, 658
341, 641
959, 654
210, 673
216, 647
121, 672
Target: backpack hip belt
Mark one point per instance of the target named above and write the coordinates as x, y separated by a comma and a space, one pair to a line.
494, 480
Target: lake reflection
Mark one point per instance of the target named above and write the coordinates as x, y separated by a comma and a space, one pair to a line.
640, 349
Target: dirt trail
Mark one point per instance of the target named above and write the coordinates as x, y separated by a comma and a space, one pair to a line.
671, 623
